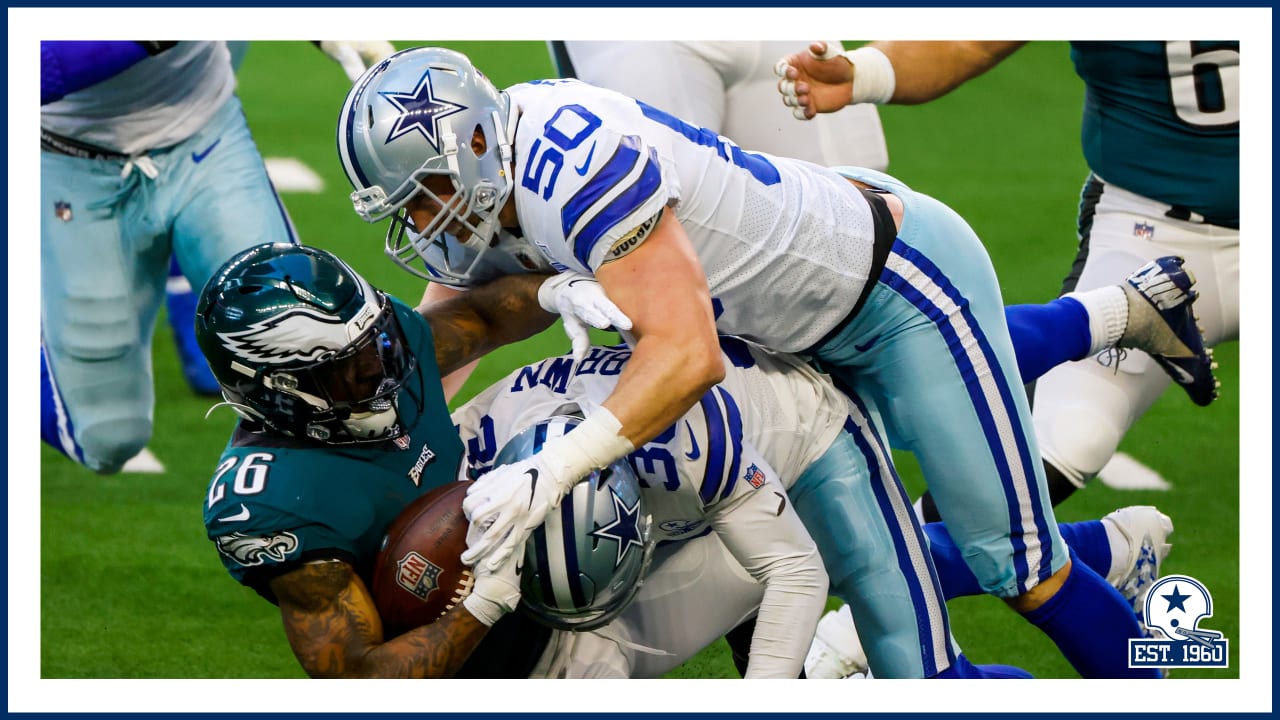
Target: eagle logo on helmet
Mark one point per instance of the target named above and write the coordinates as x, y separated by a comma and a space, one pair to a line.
293, 336
249, 551
420, 110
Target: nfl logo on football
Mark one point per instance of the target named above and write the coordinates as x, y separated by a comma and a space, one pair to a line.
1173, 609
418, 575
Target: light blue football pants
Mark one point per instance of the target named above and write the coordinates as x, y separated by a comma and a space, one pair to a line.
855, 508
105, 243
930, 351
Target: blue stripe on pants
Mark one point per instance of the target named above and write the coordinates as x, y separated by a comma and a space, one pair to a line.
955, 327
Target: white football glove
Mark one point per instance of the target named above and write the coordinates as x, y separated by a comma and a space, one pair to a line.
580, 301
505, 506
496, 592
356, 56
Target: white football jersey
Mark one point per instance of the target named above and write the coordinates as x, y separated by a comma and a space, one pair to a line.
786, 245
769, 419
158, 102
701, 474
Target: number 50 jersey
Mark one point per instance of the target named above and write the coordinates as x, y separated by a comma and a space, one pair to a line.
594, 170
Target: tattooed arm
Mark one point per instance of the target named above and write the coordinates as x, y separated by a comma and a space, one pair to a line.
467, 325
335, 632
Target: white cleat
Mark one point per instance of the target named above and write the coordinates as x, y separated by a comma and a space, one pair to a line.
836, 651
1147, 531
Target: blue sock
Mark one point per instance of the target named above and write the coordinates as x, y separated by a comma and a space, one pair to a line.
1047, 335
181, 302
954, 575
962, 669
1088, 540
55, 424
1091, 624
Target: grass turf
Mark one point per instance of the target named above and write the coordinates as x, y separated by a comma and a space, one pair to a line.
125, 558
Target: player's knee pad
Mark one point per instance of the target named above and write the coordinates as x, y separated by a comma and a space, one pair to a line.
108, 445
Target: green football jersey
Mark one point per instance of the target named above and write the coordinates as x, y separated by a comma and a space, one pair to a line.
1162, 119
277, 501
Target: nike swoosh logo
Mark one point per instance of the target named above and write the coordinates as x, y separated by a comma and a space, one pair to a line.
575, 281
197, 157
693, 439
519, 566
238, 517
1182, 376
533, 483
866, 346
582, 169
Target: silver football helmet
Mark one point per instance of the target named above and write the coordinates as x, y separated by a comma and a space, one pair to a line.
410, 118
587, 561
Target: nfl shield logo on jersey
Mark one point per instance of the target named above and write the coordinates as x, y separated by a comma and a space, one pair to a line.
1173, 609
417, 574
1143, 230
62, 210
755, 476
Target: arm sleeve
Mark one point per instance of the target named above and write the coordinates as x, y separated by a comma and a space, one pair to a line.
762, 531
68, 66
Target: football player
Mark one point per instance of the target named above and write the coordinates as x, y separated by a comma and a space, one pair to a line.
1152, 109
689, 234
825, 448
342, 424
144, 156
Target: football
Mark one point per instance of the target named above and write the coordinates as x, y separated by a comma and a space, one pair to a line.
418, 575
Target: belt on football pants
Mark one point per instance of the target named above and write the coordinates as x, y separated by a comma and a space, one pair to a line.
886, 231
63, 145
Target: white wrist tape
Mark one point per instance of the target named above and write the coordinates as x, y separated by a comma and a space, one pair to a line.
483, 609
593, 444
873, 78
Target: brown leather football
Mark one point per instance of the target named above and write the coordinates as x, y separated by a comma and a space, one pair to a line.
418, 575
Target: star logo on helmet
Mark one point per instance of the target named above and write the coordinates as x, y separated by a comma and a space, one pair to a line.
421, 111
625, 528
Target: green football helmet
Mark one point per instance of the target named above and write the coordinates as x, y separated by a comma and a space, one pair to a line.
304, 345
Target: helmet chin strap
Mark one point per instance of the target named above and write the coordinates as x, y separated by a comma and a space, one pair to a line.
381, 418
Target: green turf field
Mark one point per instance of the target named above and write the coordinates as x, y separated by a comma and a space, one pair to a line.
131, 588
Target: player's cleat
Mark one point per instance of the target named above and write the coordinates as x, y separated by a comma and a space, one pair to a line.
1163, 324
1147, 530
836, 651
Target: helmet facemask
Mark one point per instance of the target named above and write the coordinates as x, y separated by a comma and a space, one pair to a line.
465, 223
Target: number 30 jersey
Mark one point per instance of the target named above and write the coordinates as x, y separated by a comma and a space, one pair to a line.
766, 422
594, 170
